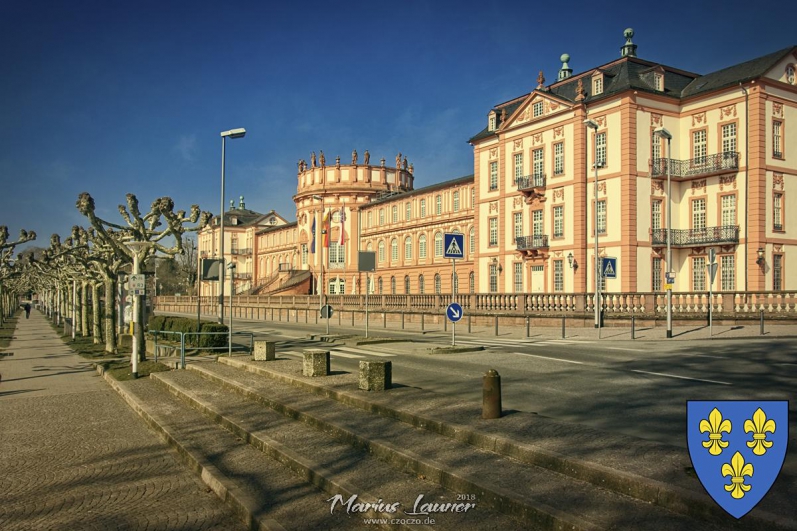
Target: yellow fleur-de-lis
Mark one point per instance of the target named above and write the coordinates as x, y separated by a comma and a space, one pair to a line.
737, 469
715, 426
759, 426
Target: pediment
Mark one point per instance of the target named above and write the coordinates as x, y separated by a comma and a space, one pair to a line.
779, 70
525, 112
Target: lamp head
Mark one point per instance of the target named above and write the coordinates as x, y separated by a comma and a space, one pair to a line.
662, 133
234, 133
760, 260
591, 124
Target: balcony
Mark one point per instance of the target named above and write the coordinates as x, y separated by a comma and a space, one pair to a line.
242, 276
777, 227
532, 187
245, 251
722, 235
697, 167
532, 245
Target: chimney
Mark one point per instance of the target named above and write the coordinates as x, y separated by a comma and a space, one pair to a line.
564, 72
629, 48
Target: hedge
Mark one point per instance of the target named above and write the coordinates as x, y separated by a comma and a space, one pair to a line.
168, 323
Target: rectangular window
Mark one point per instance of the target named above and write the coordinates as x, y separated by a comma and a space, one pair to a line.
336, 253
777, 272
728, 206
536, 221
777, 139
395, 214
558, 221
493, 231
493, 278
381, 216
538, 169
394, 251
698, 214
655, 148
381, 252
655, 280
558, 275
699, 147
370, 219
518, 276
456, 201
304, 254
438, 205
518, 225
655, 214
601, 151
536, 109
597, 86
658, 81
559, 158
518, 166
423, 208
493, 176
699, 273
472, 242
602, 216
729, 138
422, 246
727, 272
777, 212
408, 211
473, 197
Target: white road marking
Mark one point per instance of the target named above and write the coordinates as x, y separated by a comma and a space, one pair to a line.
621, 348
680, 377
707, 356
368, 352
345, 355
547, 358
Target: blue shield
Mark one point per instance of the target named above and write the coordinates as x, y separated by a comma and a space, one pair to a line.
737, 448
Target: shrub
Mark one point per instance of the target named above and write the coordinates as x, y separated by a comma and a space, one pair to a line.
169, 323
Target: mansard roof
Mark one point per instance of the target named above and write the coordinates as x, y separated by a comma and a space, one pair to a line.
459, 181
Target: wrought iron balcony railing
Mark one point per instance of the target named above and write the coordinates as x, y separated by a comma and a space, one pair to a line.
538, 241
244, 251
777, 226
242, 276
777, 154
705, 236
529, 182
695, 167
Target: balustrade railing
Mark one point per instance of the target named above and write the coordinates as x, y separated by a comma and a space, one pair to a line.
697, 166
723, 234
537, 241
529, 182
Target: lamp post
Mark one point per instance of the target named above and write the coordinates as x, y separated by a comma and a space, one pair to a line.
594, 126
231, 267
663, 133
136, 248
232, 133
323, 293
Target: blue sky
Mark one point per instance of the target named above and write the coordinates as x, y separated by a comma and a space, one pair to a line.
112, 97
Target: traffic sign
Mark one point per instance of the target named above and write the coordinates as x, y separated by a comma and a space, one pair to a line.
453, 245
454, 312
609, 267
712, 256
667, 287
712, 271
326, 311
669, 278
138, 282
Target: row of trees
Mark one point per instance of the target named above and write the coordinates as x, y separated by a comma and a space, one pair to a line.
91, 261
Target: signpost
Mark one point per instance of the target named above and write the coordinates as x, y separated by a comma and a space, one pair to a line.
454, 248
366, 262
712, 273
609, 267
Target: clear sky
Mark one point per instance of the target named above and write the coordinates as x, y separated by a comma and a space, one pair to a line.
112, 97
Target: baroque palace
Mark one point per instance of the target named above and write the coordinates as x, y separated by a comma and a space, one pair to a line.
528, 211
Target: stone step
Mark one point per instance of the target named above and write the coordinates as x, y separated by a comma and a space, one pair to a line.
262, 492
539, 498
650, 472
332, 465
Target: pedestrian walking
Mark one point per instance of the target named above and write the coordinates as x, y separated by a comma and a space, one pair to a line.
27, 310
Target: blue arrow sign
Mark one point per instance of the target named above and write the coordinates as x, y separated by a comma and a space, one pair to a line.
454, 312
453, 245
609, 268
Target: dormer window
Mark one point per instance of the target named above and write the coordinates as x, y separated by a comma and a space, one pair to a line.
536, 109
491, 122
658, 81
597, 84
790, 79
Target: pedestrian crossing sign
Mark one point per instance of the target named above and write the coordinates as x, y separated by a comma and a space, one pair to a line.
453, 245
609, 267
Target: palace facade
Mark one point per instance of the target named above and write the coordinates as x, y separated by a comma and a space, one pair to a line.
528, 211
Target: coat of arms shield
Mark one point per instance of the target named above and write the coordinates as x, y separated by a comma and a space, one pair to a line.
737, 448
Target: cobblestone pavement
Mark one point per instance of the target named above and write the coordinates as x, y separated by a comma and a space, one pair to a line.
74, 456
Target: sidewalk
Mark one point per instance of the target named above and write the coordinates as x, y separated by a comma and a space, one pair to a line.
73, 455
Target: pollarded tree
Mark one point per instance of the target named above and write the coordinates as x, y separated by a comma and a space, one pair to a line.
9, 268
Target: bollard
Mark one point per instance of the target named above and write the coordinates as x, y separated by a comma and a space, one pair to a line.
563, 327
422, 322
305, 315
384, 320
445, 325
340, 316
496, 325
761, 313
352, 318
402, 320
491, 395
528, 327
469, 324
633, 327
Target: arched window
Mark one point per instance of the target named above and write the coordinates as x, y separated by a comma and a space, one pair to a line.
369, 247
437, 287
381, 252
407, 248
422, 246
407, 285
438, 245
472, 239
394, 250
420, 284
392, 285
472, 282
379, 284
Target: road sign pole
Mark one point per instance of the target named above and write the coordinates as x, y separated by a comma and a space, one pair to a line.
366, 304
453, 299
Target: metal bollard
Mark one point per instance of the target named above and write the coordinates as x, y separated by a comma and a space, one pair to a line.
491, 395
352, 319
422, 321
384, 320
761, 313
496, 325
563, 327
633, 327
528, 327
445, 325
305, 315
469, 324
402, 321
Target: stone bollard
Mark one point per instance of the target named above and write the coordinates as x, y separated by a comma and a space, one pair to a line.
491, 395
376, 375
316, 362
265, 350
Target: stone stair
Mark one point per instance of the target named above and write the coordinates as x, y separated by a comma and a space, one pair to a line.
278, 447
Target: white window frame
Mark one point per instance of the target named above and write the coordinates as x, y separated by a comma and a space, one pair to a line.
493, 176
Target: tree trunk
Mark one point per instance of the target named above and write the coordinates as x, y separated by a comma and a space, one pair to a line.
84, 307
110, 307
95, 313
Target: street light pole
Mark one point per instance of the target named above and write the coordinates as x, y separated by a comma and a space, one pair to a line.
136, 248
232, 133
323, 293
231, 267
594, 126
663, 133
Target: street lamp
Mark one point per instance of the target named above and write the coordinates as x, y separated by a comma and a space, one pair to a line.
231, 267
232, 133
594, 126
135, 248
663, 133
323, 293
